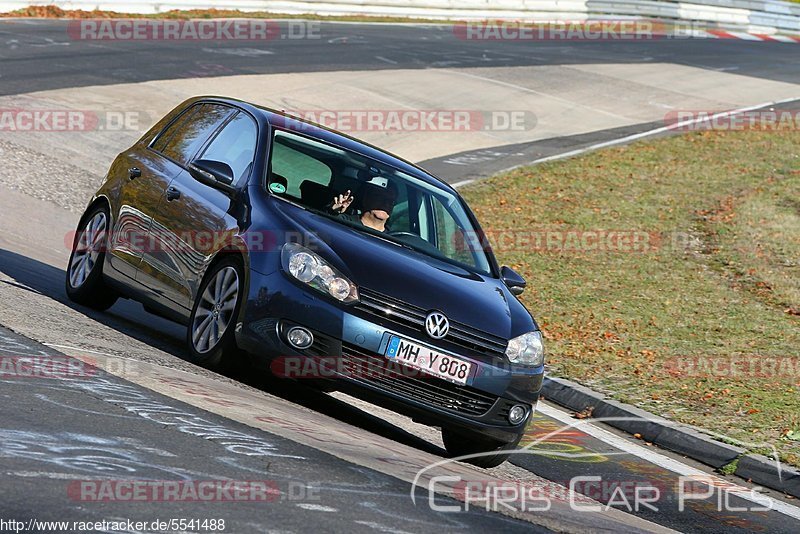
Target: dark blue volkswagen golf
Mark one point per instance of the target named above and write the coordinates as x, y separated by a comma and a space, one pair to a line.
318, 256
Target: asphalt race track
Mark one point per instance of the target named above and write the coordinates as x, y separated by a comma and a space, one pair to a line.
35, 57
329, 462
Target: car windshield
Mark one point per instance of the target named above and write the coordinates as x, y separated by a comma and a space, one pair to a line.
422, 216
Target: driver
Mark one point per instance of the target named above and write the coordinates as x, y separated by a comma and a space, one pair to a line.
377, 203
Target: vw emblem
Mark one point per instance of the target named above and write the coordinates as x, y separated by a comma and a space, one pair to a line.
437, 325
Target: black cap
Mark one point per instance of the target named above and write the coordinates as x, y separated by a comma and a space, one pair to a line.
375, 197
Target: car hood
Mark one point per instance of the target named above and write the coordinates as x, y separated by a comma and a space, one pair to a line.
476, 300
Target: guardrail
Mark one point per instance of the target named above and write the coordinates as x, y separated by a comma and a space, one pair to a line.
767, 16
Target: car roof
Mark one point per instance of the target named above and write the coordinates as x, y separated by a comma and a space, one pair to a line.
292, 123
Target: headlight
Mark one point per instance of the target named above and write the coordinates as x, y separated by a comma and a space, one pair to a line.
526, 349
310, 269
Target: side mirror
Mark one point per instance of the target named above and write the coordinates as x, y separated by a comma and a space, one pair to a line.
216, 174
515, 283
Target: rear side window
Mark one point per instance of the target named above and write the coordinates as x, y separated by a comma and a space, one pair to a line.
236, 146
166, 134
183, 138
297, 167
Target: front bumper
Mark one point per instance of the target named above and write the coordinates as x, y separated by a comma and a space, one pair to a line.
348, 349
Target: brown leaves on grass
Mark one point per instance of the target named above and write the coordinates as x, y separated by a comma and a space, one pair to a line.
723, 213
53, 12
610, 336
47, 12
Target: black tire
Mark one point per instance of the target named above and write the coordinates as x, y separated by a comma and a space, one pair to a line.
90, 289
494, 452
224, 353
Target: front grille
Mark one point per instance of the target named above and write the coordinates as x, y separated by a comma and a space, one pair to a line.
406, 314
363, 366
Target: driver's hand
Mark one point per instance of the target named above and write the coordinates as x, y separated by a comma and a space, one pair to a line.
342, 202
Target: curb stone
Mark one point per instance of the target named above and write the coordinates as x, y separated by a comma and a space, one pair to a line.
763, 471
675, 437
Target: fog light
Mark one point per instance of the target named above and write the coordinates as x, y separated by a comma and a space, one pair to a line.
299, 338
517, 414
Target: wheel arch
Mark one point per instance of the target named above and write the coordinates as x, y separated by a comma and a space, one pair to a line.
99, 200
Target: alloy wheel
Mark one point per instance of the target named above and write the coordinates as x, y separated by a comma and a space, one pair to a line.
215, 310
89, 246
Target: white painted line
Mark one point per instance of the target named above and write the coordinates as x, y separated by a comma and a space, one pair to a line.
315, 507
462, 183
80, 349
782, 38
51, 475
649, 455
745, 36
386, 60
636, 136
241, 52
386, 529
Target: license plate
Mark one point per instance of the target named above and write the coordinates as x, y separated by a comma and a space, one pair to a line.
427, 360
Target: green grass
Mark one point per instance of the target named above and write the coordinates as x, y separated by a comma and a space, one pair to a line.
729, 469
721, 279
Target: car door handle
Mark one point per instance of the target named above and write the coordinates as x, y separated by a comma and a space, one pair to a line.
134, 172
173, 194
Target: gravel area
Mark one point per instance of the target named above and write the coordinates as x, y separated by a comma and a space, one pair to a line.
45, 177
